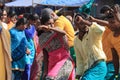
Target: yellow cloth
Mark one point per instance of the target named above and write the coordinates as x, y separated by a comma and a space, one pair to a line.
64, 24
5, 50
89, 49
114, 42
10, 25
106, 47
2, 62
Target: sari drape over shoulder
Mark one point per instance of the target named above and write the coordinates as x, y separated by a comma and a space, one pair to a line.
57, 49
5, 42
18, 47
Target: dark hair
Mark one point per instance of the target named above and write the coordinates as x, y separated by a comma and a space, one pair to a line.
46, 12
44, 19
11, 14
1, 13
21, 21
104, 9
33, 17
26, 15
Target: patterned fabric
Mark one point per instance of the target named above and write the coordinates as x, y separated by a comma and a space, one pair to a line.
18, 45
64, 72
54, 43
44, 38
19, 52
36, 68
58, 52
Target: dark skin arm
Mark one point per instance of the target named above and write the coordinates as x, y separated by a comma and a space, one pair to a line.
101, 22
116, 12
115, 60
55, 29
79, 19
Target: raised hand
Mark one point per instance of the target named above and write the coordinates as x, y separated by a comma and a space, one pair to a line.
91, 18
78, 19
27, 51
116, 12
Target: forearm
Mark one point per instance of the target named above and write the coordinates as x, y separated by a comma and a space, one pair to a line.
58, 30
101, 22
87, 22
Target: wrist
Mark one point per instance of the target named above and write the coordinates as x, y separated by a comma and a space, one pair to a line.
49, 28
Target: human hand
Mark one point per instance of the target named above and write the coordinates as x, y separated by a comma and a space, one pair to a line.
91, 18
116, 12
27, 51
78, 19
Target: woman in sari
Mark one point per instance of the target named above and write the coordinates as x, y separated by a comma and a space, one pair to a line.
36, 68
5, 57
58, 64
19, 49
30, 33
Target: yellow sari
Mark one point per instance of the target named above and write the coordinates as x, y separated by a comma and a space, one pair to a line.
2, 62
5, 58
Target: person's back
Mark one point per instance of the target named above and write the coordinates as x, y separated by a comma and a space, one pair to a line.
65, 25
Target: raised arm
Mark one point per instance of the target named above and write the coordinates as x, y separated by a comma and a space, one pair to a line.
55, 29
116, 12
100, 22
80, 20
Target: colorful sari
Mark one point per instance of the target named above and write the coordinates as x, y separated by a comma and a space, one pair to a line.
29, 33
18, 46
36, 68
58, 56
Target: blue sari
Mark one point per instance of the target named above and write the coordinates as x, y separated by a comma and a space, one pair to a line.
18, 48
29, 33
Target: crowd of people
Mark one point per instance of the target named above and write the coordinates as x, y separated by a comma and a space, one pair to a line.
52, 47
